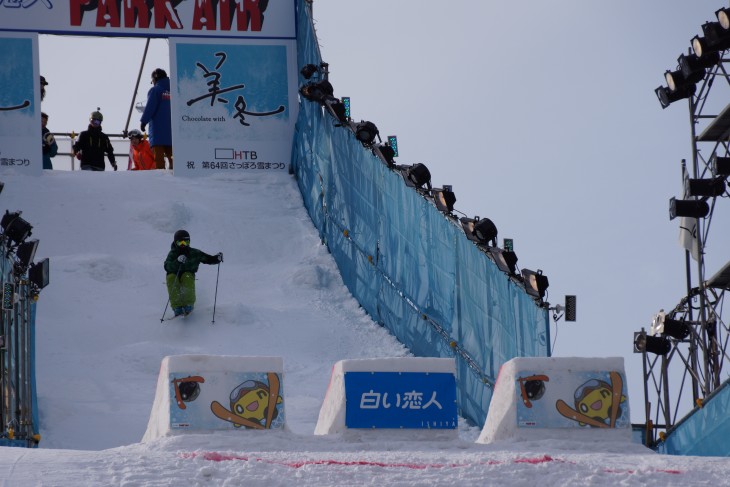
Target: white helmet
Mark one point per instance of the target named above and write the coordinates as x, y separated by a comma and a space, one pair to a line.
135, 133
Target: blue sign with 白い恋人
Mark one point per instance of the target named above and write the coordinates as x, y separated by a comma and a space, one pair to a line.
413, 400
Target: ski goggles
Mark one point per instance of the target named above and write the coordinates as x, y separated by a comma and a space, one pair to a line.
183, 243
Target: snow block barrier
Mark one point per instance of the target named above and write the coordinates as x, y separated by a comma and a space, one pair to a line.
559, 398
204, 393
400, 398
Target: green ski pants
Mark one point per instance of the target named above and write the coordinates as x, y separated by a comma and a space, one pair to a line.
181, 291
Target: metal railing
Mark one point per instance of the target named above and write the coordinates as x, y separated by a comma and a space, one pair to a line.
66, 161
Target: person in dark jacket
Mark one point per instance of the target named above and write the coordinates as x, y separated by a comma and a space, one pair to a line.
181, 264
93, 144
50, 147
159, 117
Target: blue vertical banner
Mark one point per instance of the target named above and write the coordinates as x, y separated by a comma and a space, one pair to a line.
413, 400
20, 110
234, 105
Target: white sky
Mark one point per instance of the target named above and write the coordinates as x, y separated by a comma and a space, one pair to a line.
541, 115
99, 345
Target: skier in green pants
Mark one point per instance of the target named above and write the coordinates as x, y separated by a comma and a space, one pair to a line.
181, 264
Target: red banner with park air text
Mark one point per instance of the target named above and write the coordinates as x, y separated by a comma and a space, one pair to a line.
152, 18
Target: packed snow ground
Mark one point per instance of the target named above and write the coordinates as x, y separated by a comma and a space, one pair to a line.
100, 343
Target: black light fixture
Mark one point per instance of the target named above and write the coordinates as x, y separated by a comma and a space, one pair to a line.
667, 97
386, 153
692, 66
417, 176
651, 344
308, 70
688, 208
366, 132
720, 166
14, 227
536, 283
39, 273
506, 260
705, 187
723, 17
676, 328
480, 230
486, 232
26, 253
678, 81
337, 109
444, 198
715, 38
318, 91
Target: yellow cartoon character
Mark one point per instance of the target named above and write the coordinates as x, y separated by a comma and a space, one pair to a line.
597, 403
253, 404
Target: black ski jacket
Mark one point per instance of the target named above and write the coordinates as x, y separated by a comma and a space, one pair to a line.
195, 257
92, 144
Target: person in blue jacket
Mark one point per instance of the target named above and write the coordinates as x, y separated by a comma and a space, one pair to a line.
157, 114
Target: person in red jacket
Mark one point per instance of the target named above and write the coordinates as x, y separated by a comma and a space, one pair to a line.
140, 154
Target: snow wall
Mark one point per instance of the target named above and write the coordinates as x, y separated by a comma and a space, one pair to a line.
559, 398
703, 432
203, 393
410, 266
405, 398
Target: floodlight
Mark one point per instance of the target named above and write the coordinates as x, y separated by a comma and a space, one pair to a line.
715, 38
677, 80
317, 91
536, 283
691, 65
14, 227
26, 253
676, 329
723, 17
39, 273
651, 344
308, 70
506, 260
336, 108
720, 166
467, 224
366, 132
417, 176
486, 232
667, 96
705, 187
688, 208
444, 198
386, 153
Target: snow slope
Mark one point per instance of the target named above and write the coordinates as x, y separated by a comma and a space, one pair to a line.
100, 343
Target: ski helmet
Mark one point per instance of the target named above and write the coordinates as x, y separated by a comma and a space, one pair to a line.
97, 116
181, 235
134, 133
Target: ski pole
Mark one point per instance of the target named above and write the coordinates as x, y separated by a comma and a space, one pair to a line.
215, 298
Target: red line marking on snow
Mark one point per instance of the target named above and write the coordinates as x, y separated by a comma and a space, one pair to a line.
219, 457
534, 461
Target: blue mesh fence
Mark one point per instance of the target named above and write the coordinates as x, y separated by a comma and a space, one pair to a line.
409, 265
